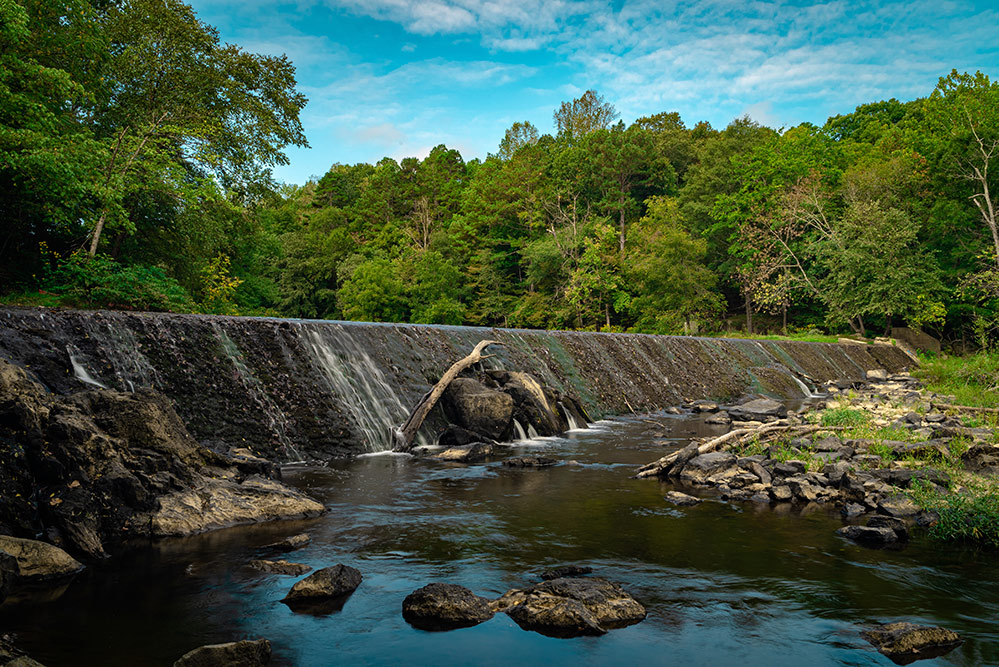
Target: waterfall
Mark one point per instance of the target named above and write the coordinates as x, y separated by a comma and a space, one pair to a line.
356, 381
124, 352
518, 427
568, 417
79, 370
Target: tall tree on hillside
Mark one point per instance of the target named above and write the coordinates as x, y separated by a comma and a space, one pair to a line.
517, 135
585, 114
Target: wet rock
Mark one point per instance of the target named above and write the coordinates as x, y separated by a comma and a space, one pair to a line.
722, 418
761, 409
570, 607
566, 571
477, 408
700, 468
291, 543
681, 499
781, 493
478, 451
850, 510
905, 643
329, 583
280, 567
704, 406
39, 561
247, 653
456, 436
898, 506
868, 536
896, 524
764, 476
11, 656
440, 606
673, 410
683, 457
530, 462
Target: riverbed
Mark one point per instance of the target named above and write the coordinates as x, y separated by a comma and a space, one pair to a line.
724, 583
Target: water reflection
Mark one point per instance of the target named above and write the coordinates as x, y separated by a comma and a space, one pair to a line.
723, 583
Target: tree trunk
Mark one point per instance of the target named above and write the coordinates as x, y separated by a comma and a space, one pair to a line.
783, 311
98, 228
406, 434
749, 315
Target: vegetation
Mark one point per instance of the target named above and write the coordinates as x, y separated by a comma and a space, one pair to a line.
972, 379
130, 131
969, 516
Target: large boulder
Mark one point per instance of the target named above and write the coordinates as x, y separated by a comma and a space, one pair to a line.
247, 653
330, 584
907, 642
39, 561
440, 606
571, 607
700, 468
760, 409
473, 453
473, 406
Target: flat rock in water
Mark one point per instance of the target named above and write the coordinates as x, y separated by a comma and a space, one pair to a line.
566, 571
907, 642
571, 607
896, 524
681, 499
233, 654
328, 584
440, 606
39, 561
868, 536
699, 468
761, 409
280, 567
899, 507
530, 462
722, 418
477, 451
291, 543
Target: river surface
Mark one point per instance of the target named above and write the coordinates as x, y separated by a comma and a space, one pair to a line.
724, 583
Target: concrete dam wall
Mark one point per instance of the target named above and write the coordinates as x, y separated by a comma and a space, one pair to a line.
294, 389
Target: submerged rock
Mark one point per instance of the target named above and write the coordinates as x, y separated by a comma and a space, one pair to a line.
330, 584
247, 653
477, 451
291, 543
869, 536
682, 499
566, 571
530, 462
440, 606
280, 567
907, 642
571, 607
39, 561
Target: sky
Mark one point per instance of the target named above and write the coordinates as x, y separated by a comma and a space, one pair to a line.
394, 78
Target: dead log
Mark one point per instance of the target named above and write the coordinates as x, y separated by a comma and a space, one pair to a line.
965, 408
406, 434
742, 435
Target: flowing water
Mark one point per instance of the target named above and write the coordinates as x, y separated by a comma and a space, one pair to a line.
724, 583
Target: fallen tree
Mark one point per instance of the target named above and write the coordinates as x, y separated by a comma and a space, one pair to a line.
406, 434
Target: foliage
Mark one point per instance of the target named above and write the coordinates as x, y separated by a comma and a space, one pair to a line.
972, 380
971, 515
844, 417
219, 287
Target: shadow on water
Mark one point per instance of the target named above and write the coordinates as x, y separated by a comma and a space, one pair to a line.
724, 583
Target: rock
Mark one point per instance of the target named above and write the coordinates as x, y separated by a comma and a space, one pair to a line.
780, 493
9, 572
473, 406
439, 606
896, 524
722, 418
530, 462
907, 642
935, 418
247, 653
789, 469
699, 468
536, 404
329, 583
913, 418
291, 543
681, 499
39, 561
764, 476
11, 656
761, 409
569, 607
673, 410
683, 457
280, 567
835, 471
899, 506
802, 490
566, 571
473, 453
877, 375
704, 406
456, 436
868, 536
850, 510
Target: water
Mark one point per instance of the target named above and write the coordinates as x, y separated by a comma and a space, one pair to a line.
723, 583
79, 370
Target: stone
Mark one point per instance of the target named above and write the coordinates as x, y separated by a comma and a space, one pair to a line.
850, 510
39, 561
898, 506
681, 499
291, 543
11, 656
572, 607
913, 418
780, 493
566, 571
247, 653
761, 409
673, 410
868, 536
473, 406
789, 468
440, 606
280, 567
828, 444
722, 418
893, 522
835, 471
935, 418
761, 472
704, 406
877, 375
325, 584
530, 462
699, 468
682, 458
802, 490
907, 642
456, 436
473, 453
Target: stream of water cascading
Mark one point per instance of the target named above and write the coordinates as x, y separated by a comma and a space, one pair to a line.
277, 422
518, 427
79, 370
568, 417
123, 351
353, 376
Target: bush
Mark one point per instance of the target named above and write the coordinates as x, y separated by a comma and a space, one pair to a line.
844, 417
101, 282
971, 516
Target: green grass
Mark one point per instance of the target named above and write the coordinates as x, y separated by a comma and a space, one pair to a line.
809, 337
844, 417
969, 516
972, 380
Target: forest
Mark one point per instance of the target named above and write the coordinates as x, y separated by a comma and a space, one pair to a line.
136, 157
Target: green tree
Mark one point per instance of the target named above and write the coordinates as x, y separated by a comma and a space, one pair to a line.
517, 135
585, 114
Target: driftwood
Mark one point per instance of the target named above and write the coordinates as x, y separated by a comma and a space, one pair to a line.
406, 434
741, 435
966, 408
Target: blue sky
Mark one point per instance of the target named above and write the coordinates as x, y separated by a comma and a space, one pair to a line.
397, 77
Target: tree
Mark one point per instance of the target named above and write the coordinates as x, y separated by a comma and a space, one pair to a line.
585, 114
517, 135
